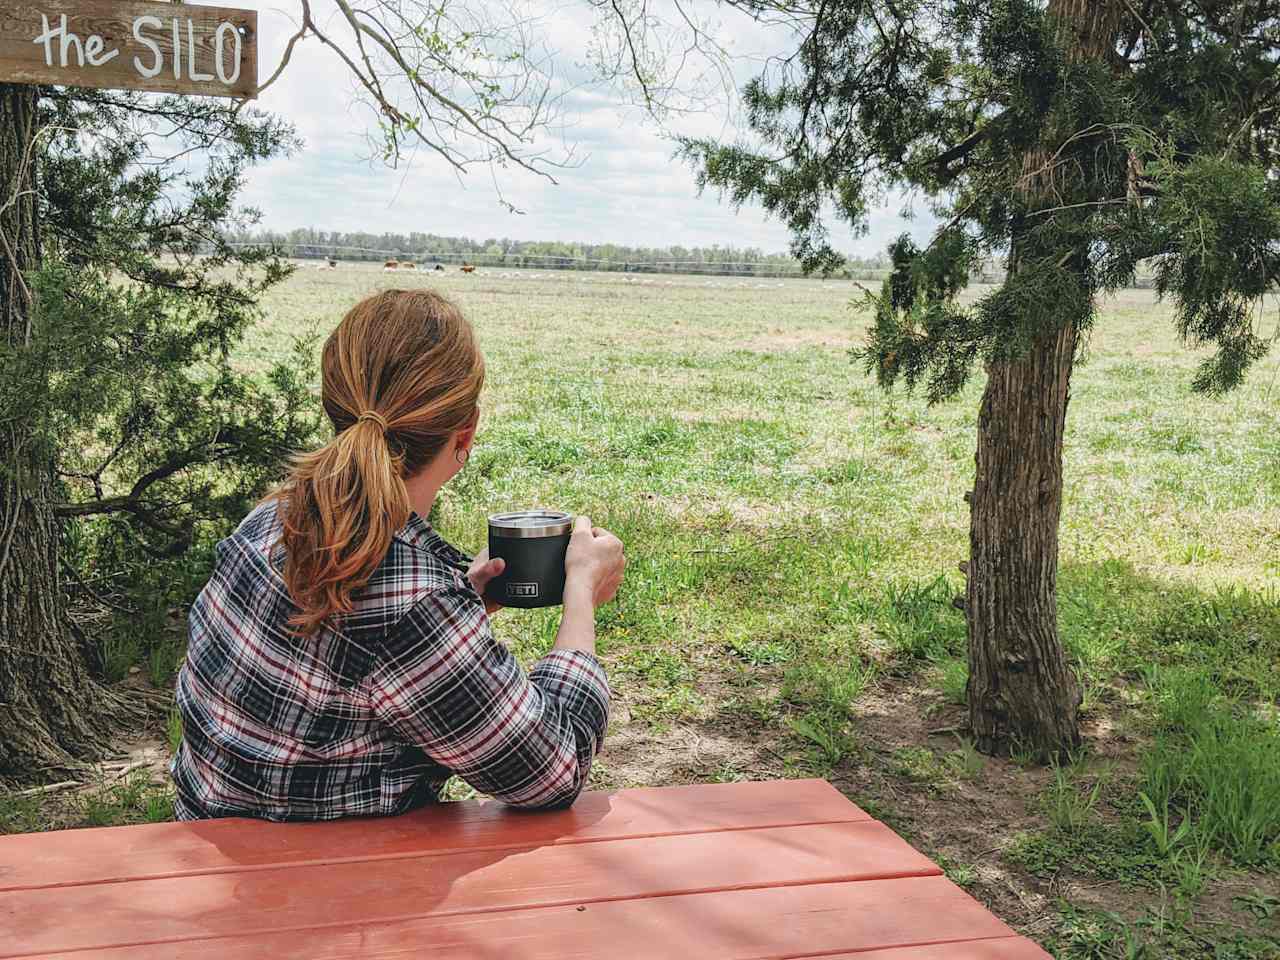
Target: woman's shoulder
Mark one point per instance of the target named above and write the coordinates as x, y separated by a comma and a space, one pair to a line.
415, 568
255, 539
262, 523
419, 564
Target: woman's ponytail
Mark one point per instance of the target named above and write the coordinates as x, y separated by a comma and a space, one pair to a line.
400, 374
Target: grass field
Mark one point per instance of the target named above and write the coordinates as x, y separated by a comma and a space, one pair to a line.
793, 536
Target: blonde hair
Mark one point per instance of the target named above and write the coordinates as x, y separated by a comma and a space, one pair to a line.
400, 374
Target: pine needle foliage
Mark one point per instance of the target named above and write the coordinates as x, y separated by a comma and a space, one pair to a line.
1076, 169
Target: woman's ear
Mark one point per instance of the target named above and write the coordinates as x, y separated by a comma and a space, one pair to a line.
465, 437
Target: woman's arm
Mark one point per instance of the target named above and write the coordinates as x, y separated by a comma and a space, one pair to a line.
593, 570
449, 687
446, 685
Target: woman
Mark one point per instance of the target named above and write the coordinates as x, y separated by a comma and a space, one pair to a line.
340, 664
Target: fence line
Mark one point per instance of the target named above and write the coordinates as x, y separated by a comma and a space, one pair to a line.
544, 261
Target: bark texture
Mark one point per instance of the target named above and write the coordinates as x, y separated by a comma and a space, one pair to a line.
50, 707
1022, 692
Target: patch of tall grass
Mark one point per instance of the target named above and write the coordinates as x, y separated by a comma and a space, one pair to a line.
1216, 760
915, 618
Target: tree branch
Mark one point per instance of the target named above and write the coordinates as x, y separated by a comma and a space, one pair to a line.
963, 148
135, 502
635, 58
416, 79
288, 50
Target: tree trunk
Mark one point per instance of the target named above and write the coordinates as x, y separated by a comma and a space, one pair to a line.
1022, 693
50, 707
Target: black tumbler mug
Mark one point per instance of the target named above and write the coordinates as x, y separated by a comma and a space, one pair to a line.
534, 543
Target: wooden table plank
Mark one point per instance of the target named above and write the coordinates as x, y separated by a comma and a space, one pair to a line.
773, 922
262, 901
1005, 948
214, 846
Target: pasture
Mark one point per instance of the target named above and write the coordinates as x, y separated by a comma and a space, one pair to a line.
794, 535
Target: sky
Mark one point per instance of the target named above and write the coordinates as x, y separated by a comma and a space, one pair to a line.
625, 186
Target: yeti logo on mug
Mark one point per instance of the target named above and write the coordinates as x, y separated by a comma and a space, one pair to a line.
525, 590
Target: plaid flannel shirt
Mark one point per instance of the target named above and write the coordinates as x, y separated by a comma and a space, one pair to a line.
371, 715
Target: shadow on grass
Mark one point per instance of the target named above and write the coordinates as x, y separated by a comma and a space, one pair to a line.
1119, 622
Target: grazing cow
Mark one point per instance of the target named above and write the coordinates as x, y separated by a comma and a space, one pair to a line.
440, 267
468, 268
408, 265
390, 265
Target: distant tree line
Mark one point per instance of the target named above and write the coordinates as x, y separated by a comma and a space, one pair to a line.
427, 248
308, 243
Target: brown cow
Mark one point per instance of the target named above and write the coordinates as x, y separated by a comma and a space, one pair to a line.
468, 268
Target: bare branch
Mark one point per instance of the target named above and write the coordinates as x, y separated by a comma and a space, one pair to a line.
635, 57
288, 50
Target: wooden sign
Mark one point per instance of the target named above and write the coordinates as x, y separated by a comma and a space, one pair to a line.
130, 44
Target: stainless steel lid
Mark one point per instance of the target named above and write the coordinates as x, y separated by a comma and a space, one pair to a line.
531, 523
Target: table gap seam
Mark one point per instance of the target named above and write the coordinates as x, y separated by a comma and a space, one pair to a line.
446, 852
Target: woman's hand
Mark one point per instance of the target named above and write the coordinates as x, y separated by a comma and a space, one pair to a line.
594, 562
481, 571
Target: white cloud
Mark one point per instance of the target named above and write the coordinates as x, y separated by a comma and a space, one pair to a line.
627, 188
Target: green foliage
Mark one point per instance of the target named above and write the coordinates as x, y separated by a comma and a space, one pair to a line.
1035, 301
1219, 218
919, 764
20, 814
1074, 154
1164, 932
826, 732
1093, 848
1098, 935
833, 687
163, 661
917, 619
961, 874
1219, 760
1112, 618
173, 730
133, 800
118, 651
966, 762
954, 680
1262, 905
1191, 867
158, 438
919, 332
936, 771
1071, 804
1165, 837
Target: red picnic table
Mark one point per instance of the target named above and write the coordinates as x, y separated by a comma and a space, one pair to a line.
745, 870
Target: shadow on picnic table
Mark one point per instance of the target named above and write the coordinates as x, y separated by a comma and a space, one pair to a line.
238, 877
